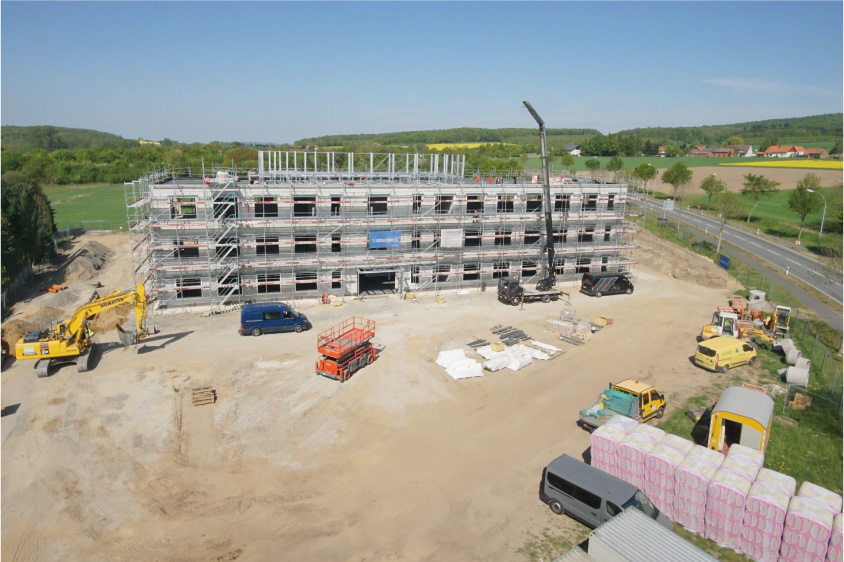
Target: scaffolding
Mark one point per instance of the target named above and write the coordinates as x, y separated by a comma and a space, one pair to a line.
345, 224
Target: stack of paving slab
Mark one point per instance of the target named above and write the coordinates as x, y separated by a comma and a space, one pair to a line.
764, 515
633, 450
809, 524
605, 441
660, 464
726, 495
691, 480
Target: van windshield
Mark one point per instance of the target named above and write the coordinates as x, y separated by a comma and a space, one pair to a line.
708, 352
641, 502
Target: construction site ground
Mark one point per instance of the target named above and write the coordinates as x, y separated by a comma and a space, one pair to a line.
399, 463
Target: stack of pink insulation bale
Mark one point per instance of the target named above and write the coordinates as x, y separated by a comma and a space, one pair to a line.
808, 524
605, 441
660, 464
835, 552
764, 515
691, 479
632, 451
726, 495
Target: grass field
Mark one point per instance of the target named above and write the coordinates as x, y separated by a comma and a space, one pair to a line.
98, 202
535, 163
773, 217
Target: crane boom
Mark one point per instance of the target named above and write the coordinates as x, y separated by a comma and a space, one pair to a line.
548, 280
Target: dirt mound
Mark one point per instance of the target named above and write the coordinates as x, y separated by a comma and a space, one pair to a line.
666, 257
48, 316
108, 319
86, 264
13, 330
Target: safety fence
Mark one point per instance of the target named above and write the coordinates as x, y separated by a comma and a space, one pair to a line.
16, 290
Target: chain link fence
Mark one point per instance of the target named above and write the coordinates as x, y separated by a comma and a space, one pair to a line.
85, 226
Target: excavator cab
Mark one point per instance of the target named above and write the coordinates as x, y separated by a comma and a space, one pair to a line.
783, 319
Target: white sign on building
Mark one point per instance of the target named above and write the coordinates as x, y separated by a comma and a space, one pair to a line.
451, 238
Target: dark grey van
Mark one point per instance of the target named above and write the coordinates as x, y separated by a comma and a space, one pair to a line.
600, 284
260, 318
590, 495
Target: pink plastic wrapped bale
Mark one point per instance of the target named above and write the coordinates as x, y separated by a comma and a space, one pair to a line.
660, 464
809, 490
646, 429
606, 438
725, 499
741, 466
835, 552
752, 456
691, 480
807, 532
767, 502
631, 457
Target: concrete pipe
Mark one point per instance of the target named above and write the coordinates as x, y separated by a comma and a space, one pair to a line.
792, 356
785, 346
782, 372
797, 376
803, 363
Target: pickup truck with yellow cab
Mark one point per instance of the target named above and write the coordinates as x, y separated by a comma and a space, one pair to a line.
634, 399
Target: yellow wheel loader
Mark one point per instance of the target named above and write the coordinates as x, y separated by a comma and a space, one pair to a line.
71, 340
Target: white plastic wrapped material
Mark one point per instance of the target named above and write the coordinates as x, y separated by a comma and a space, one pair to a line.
809, 490
464, 369
741, 466
755, 456
446, 357
691, 480
654, 432
497, 363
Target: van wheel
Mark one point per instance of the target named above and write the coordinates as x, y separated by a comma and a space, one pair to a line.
660, 412
256, 332
599, 294
629, 291
298, 328
556, 507
545, 298
724, 369
752, 360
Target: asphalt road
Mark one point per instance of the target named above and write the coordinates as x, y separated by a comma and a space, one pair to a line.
770, 252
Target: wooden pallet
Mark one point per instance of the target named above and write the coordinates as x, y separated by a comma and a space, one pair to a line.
203, 395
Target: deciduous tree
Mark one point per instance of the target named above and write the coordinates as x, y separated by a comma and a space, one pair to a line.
711, 185
593, 164
679, 176
757, 188
730, 207
802, 201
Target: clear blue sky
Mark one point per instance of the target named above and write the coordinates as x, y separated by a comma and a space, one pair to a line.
266, 71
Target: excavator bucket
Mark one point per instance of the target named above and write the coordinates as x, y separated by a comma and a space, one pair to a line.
126, 337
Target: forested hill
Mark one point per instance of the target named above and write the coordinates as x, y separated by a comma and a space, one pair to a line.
814, 128
52, 138
463, 134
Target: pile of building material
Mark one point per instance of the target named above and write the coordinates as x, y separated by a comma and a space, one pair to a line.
513, 358
730, 499
764, 514
798, 371
633, 450
574, 330
457, 365
660, 464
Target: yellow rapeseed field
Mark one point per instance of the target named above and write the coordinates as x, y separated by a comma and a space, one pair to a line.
442, 145
817, 164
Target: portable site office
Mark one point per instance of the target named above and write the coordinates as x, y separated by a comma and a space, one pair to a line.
742, 416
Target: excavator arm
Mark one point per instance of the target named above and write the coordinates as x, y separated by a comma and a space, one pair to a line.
74, 327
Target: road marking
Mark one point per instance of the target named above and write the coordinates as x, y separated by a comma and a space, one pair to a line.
792, 261
755, 244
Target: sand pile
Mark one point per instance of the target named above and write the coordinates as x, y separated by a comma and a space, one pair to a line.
665, 257
48, 316
108, 319
87, 263
13, 330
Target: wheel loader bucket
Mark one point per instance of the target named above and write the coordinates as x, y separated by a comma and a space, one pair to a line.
126, 337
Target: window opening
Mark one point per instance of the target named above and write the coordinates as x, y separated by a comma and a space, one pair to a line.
500, 269
267, 245
269, 283
266, 207
533, 203
304, 244
472, 237
471, 272
532, 235
505, 204
503, 237
188, 288
306, 281
443, 204
304, 206
378, 205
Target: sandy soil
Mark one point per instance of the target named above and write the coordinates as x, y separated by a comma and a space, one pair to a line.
399, 463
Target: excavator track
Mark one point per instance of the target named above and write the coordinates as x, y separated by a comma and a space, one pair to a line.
42, 368
84, 358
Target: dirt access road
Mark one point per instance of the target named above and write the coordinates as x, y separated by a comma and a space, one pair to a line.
399, 463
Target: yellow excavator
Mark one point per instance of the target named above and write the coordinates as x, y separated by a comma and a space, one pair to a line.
71, 340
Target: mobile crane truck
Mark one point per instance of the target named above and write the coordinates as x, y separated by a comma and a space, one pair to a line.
510, 291
71, 340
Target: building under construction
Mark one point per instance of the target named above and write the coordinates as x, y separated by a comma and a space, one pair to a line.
307, 224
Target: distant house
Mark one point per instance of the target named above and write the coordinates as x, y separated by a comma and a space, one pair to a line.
573, 149
661, 150
704, 152
777, 151
817, 153
744, 150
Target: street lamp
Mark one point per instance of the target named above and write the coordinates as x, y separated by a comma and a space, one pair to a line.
822, 216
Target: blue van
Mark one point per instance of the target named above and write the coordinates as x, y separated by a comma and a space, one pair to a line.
257, 319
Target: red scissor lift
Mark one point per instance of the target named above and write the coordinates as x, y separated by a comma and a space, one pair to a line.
345, 348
